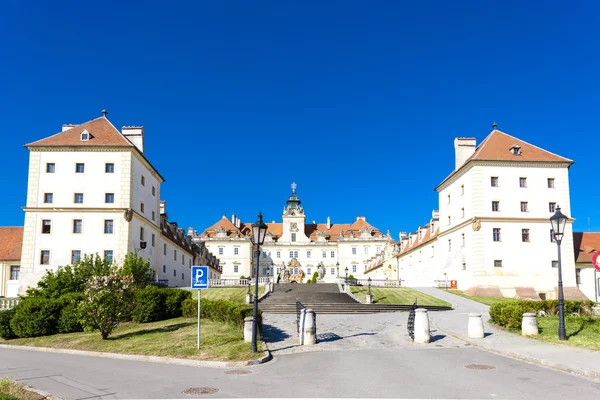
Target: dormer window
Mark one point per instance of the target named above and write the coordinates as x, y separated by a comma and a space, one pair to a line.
516, 150
85, 136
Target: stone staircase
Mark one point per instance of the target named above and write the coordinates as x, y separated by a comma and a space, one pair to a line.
323, 298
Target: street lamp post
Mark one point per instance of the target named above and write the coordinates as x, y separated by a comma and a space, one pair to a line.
346, 275
558, 222
337, 269
259, 231
369, 285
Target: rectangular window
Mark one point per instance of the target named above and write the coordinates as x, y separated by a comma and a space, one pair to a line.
550, 183
498, 263
109, 168
264, 271
109, 197
235, 268
174, 272
164, 269
143, 180
174, 255
153, 240
78, 198
495, 206
552, 207
141, 233
525, 235
332, 271
75, 256
46, 226
77, 226
366, 250
449, 220
236, 250
45, 257
494, 181
462, 212
295, 254
108, 226
293, 236
354, 250
496, 234
307, 253
554, 263
463, 240
333, 254
153, 191
153, 216
354, 268
308, 271
449, 244
79, 168
183, 259
164, 249
48, 197
578, 276
524, 207
324, 254
14, 272
220, 251
50, 168
108, 256
378, 250
142, 207
182, 276
523, 182
278, 254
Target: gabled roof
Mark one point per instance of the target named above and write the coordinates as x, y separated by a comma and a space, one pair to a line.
11, 242
497, 147
224, 222
585, 244
102, 133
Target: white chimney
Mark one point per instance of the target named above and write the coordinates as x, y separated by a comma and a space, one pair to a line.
190, 231
135, 134
328, 223
66, 127
463, 149
435, 214
163, 206
233, 220
361, 217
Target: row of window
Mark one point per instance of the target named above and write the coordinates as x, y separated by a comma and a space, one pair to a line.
498, 263
75, 256
109, 198
525, 236
109, 168
496, 183
165, 249
524, 206
174, 272
292, 253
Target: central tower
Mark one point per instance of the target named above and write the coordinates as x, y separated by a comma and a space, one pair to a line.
294, 220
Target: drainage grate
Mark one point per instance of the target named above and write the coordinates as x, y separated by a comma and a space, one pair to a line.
238, 372
200, 390
479, 366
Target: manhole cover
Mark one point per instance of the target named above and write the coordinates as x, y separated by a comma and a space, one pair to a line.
200, 390
238, 372
479, 366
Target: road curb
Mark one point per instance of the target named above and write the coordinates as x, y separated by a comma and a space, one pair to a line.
477, 343
155, 359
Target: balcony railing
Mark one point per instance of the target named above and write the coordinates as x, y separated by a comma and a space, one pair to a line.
236, 282
374, 282
8, 302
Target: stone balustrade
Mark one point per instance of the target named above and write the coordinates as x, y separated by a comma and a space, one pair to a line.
8, 303
236, 282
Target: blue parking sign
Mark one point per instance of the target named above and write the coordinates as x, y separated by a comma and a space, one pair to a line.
199, 277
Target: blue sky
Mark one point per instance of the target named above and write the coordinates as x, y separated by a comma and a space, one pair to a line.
358, 102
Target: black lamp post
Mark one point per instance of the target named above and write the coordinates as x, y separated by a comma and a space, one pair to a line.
558, 222
369, 285
346, 275
259, 231
337, 269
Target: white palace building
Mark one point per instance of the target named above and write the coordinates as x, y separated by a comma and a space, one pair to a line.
492, 234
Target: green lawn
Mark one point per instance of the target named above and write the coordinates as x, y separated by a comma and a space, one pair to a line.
171, 338
397, 296
581, 331
485, 300
10, 390
237, 294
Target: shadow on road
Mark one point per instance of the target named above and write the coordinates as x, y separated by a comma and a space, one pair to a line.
273, 334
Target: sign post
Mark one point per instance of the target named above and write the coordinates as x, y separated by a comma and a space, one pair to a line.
199, 281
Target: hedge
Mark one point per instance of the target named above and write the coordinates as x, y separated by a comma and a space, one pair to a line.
510, 314
35, 316
157, 304
220, 310
70, 318
6, 331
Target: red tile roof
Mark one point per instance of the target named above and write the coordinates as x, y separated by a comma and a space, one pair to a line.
102, 132
586, 244
11, 242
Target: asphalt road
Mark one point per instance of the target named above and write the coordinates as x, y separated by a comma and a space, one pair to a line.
430, 372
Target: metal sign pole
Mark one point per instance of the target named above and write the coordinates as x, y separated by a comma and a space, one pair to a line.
199, 291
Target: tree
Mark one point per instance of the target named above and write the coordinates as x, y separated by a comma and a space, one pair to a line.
139, 268
108, 300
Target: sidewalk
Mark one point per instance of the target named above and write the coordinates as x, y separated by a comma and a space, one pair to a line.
566, 358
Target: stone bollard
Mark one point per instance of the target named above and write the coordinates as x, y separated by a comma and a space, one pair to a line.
421, 326
248, 298
248, 329
369, 299
475, 330
310, 327
529, 326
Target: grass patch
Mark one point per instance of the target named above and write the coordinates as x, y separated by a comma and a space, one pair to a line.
397, 296
485, 300
10, 390
237, 294
171, 338
581, 331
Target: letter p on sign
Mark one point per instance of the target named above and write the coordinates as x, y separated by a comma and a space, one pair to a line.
199, 277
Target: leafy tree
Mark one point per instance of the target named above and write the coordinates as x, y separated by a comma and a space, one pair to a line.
107, 302
139, 268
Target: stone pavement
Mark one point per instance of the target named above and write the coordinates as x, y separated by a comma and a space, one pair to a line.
567, 358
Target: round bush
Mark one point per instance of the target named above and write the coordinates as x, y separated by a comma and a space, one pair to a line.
36, 317
149, 304
6, 331
70, 318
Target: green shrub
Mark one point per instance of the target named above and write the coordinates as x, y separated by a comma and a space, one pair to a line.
6, 331
220, 310
149, 305
510, 314
36, 316
174, 299
70, 317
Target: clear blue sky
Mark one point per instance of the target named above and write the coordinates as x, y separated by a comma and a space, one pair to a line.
358, 102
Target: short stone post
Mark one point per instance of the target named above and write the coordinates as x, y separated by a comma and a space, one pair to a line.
310, 327
421, 326
529, 326
248, 298
369, 299
475, 329
248, 329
